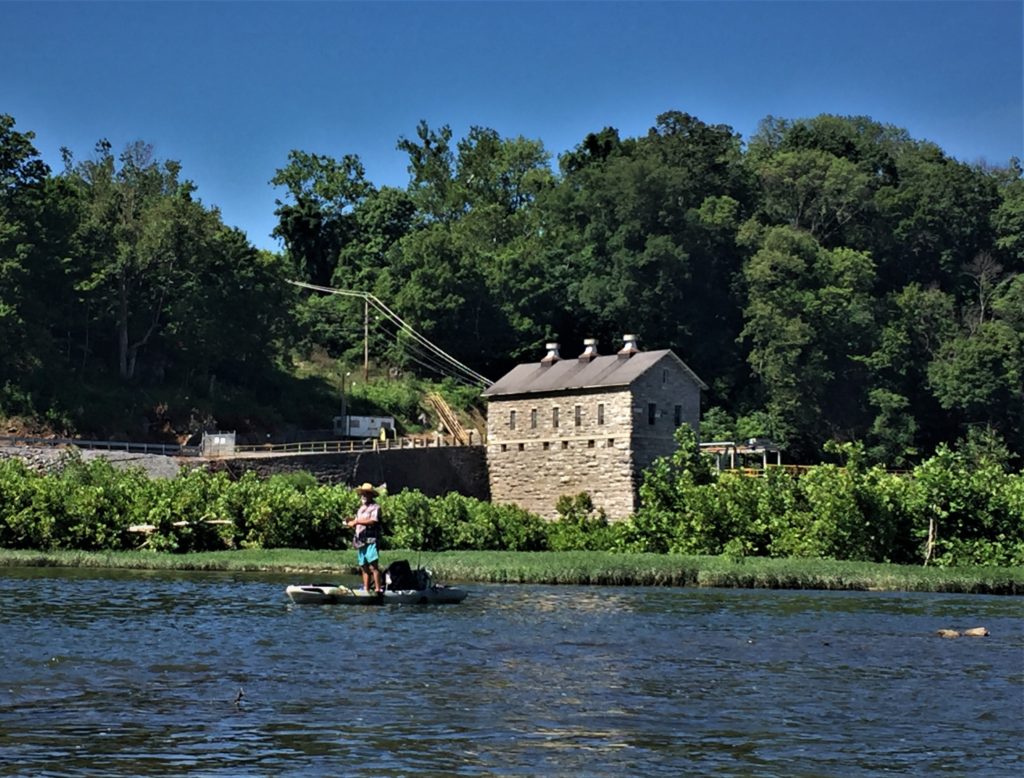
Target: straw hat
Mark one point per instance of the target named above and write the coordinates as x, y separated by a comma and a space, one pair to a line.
367, 488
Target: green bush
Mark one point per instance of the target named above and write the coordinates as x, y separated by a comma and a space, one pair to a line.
580, 527
850, 513
974, 507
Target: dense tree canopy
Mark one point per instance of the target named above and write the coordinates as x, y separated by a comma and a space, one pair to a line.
832, 278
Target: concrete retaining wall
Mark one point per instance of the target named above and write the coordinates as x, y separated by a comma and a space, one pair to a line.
433, 471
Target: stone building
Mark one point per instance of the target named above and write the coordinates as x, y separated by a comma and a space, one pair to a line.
591, 424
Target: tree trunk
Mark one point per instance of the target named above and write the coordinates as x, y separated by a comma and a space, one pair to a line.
929, 547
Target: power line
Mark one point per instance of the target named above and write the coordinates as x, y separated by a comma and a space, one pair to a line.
415, 353
412, 348
462, 371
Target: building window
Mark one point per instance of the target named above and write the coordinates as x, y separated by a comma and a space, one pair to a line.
554, 418
546, 445
533, 419
664, 376
504, 447
578, 416
600, 413
611, 442
565, 444
679, 415
652, 412
511, 420
590, 444
522, 446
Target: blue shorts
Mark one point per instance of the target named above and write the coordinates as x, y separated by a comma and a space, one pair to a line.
368, 554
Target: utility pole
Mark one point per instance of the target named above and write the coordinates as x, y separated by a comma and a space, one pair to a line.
344, 409
468, 376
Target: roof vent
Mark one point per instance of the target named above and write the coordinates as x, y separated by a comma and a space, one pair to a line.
589, 349
552, 355
629, 347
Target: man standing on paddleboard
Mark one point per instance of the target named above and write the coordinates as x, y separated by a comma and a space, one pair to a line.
367, 525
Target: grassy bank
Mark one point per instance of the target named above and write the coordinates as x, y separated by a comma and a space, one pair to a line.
571, 567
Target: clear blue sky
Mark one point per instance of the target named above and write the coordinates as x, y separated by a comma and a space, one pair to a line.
229, 88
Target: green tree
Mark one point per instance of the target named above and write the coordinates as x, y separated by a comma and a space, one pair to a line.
908, 420
808, 317
646, 229
1008, 218
316, 221
136, 241
37, 222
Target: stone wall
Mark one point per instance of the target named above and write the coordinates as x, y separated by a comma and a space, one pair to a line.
601, 449
533, 464
666, 386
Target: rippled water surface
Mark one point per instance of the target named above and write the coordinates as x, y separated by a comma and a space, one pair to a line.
138, 674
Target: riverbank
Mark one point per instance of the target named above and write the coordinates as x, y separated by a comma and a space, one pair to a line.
570, 568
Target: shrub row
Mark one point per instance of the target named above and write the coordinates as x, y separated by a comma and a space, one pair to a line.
93, 506
951, 509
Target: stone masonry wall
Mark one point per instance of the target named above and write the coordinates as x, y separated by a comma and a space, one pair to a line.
666, 385
532, 462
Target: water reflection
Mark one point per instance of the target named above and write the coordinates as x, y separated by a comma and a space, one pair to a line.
138, 674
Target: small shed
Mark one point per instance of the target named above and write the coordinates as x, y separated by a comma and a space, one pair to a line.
590, 424
218, 444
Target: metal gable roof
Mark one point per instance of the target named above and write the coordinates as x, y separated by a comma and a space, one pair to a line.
597, 373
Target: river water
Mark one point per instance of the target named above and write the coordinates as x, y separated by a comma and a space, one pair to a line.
140, 674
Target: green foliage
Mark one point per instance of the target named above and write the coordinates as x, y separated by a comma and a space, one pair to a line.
670, 484
581, 527
400, 398
975, 507
454, 522
568, 567
971, 502
832, 279
850, 512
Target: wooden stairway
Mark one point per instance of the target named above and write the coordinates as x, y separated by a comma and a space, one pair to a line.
448, 417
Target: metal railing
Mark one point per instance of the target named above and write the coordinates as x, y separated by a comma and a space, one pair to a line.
164, 449
350, 446
299, 447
